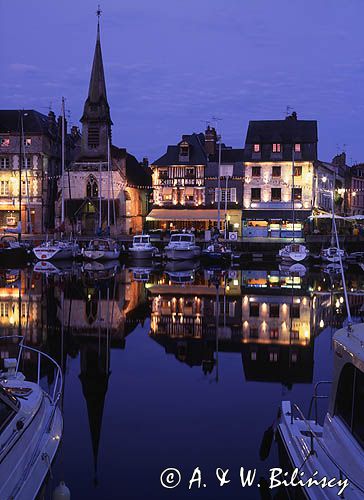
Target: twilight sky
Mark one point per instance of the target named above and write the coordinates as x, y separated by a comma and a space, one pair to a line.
171, 65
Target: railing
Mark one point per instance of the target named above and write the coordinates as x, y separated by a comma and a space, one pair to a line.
316, 397
315, 438
58, 382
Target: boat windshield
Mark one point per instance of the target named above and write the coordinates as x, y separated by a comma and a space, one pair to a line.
349, 405
8, 407
141, 239
186, 238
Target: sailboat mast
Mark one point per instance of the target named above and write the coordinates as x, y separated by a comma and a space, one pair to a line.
62, 163
100, 204
293, 211
20, 161
219, 188
108, 183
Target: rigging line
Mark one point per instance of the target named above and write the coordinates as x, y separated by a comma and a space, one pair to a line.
350, 321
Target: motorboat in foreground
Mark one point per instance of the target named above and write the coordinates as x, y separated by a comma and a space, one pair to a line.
31, 426
56, 250
333, 254
334, 449
102, 249
294, 252
142, 247
182, 247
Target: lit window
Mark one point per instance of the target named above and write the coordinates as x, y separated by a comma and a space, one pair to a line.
92, 189
297, 148
4, 188
298, 171
297, 194
256, 148
226, 194
4, 142
27, 141
276, 148
274, 334
4, 162
24, 190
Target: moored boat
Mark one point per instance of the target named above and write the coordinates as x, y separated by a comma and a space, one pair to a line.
182, 247
56, 250
13, 251
31, 427
102, 249
216, 252
333, 254
294, 252
142, 248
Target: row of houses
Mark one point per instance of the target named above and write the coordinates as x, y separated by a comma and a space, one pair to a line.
276, 177
103, 187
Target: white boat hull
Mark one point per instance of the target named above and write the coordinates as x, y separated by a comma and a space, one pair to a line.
296, 440
53, 253
27, 463
183, 253
101, 254
333, 257
140, 253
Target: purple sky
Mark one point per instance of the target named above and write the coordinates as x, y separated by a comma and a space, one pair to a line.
172, 65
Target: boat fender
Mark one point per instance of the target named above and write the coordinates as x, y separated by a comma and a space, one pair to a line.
266, 443
61, 492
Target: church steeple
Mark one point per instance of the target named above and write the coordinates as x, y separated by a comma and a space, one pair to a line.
96, 119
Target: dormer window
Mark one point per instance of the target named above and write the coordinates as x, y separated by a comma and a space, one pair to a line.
27, 141
93, 139
184, 151
297, 148
256, 148
4, 142
276, 148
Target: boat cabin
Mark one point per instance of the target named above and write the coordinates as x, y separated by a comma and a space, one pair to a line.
347, 402
141, 240
100, 244
182, 238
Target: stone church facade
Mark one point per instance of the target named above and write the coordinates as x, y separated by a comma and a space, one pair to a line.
105, 188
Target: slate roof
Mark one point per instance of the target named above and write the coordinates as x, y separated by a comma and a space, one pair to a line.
288, 131
136, 173
197, 152
34, 122
228, 155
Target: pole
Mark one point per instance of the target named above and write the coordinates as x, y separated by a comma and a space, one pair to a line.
219, 188
293, 212
226, 197
108, 184
100, 205
20, 161
62, 164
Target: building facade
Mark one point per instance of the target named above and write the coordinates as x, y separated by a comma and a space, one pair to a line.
30, 158
185, 185
356, 190
105, 189
279, 176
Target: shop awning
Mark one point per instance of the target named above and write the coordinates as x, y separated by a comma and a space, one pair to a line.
184, 214
300, 215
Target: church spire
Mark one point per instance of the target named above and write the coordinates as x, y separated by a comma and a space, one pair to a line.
96, 119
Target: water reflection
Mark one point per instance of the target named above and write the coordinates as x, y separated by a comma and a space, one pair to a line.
267, 319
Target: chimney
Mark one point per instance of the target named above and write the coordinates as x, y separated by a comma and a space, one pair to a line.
210, 140
293, 116
340, 160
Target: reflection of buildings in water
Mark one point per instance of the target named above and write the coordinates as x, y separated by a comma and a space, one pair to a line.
190, 311
272, 328
277, 337
183, 317
112, 308
94, 377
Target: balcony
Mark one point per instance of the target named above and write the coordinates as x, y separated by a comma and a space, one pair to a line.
275, 205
